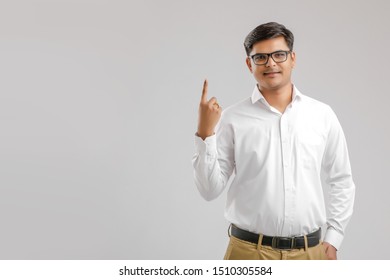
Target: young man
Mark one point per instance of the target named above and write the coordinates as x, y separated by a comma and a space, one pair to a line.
276, 143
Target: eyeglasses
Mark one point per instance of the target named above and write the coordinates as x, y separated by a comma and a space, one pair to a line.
262, 58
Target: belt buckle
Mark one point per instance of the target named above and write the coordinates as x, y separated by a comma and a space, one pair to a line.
275, 242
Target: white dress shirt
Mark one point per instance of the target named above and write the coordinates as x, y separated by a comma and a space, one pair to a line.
277, 161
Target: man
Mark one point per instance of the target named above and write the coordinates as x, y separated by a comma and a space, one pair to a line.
276, 143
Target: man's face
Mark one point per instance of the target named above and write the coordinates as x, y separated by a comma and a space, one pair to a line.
272, 75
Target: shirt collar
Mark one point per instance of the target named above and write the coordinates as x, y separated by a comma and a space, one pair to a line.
257, 95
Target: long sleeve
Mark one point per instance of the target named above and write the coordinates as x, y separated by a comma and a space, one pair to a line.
213, 161
337, 169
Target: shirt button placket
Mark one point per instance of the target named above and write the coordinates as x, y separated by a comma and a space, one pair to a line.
286, 158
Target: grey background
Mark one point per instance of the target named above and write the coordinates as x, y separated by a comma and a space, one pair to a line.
98, 108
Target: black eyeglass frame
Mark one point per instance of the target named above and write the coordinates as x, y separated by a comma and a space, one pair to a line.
270, 55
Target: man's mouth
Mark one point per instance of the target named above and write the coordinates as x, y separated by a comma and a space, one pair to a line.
271, 73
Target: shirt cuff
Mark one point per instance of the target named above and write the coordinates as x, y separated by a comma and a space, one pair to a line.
333, 237
207, 146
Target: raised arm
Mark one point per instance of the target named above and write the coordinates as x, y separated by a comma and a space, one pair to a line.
213, 161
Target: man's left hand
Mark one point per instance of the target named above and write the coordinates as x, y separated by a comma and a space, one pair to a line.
330, 251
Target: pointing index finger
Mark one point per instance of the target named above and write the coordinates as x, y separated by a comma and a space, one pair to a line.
204, 92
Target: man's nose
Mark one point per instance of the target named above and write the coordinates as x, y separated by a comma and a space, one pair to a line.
270, 62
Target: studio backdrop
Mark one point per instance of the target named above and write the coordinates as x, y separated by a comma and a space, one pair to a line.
98, 110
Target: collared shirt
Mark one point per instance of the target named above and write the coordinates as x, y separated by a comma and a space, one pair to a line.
276, 160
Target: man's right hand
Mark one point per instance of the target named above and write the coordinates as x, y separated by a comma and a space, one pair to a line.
209, 114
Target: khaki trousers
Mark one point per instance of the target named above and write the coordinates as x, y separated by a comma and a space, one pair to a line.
242, 250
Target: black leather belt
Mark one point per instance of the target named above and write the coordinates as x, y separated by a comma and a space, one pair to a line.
283, 243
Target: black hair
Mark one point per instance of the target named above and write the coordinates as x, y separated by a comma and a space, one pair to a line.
268, 31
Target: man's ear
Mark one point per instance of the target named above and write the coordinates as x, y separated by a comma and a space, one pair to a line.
248, 63
293, 59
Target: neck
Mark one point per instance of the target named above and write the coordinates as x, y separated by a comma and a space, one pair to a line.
278, 98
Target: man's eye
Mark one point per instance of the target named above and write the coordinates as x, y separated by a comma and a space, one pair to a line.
279, 55
260, 57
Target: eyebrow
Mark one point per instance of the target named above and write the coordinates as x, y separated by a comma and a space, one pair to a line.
271, 52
